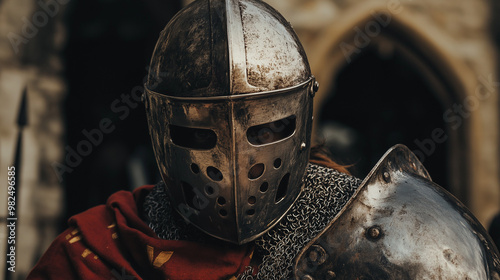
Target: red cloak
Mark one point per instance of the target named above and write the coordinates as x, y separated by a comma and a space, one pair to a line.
112, 242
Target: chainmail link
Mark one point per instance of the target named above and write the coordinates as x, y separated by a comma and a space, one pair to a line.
165, 222
325, 193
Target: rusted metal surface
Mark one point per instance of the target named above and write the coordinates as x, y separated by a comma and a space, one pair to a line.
401, 225
231, 70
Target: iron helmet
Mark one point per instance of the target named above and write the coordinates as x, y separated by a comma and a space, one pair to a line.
229, 107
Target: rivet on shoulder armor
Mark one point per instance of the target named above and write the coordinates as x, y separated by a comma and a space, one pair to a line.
374, 233
387, 177
331, 275
317, 255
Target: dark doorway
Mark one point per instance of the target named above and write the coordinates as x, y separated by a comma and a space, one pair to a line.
109, 46
381, 99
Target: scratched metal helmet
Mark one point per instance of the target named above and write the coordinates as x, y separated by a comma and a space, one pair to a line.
399, 225
229, 107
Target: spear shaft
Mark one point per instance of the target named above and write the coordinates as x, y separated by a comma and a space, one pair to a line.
22, 121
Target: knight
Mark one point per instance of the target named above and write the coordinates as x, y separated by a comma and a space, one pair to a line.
244, 195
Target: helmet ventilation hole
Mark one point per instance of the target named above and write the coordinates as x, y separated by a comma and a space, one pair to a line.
277, 163
209, 190
214, 173
256, 171
223, 212
250, 212
190, 197
264, 187
195, 168
252, 200
221, 201
282, 188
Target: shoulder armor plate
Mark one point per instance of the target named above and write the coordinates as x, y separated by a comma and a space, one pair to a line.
400, 225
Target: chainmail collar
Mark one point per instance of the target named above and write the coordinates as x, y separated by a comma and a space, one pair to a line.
165, 221
325, 193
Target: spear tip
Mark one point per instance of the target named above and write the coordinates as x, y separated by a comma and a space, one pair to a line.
22, 118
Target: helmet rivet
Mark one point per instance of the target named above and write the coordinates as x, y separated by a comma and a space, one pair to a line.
374, 233
316, 86
303, 146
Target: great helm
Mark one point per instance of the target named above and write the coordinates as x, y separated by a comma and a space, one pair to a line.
229, 106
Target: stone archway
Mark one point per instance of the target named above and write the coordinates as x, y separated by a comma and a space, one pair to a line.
384, 38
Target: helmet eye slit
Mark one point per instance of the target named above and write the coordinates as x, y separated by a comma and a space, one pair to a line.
193, 138
271, 132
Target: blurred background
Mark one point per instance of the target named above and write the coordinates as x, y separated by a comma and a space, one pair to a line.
419, 72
